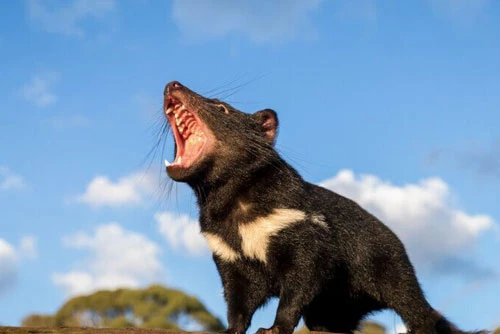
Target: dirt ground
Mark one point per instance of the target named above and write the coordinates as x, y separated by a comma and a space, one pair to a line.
79, 330
88, 330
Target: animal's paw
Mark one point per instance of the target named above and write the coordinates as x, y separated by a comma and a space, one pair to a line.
233, 331
272, 330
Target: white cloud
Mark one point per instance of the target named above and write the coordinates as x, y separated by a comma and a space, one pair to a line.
38, 90
10, 181
422, 215
260, 20
8, 265
10, 258
116, 258
69, 17
130, 190
181, 232
74, 282
400, 329
28, 247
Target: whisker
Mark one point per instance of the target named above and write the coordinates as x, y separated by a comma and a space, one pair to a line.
228, 83
233, 90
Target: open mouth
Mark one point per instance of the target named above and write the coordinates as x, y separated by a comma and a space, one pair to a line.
189, 133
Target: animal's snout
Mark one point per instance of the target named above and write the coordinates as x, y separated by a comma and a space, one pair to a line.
171, 86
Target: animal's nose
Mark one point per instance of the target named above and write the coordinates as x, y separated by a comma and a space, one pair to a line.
171, 86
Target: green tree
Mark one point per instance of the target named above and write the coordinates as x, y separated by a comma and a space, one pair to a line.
39, 320
153, 307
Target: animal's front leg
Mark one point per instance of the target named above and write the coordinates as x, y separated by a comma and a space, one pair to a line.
298, 288
289, 312
243, 297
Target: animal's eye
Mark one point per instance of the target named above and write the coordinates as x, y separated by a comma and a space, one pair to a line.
223, 108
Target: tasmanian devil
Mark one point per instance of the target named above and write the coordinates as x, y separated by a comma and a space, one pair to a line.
272, 234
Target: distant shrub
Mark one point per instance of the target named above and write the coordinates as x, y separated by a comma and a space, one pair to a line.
39, 320
152, 307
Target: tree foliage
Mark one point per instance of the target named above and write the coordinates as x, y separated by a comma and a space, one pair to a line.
153, 307
39, 320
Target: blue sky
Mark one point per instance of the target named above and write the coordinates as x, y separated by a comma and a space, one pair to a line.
392, 103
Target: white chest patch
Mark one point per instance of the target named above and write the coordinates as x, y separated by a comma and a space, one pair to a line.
220, 248
255, 235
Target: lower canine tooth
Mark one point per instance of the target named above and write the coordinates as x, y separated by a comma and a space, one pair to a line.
167, 163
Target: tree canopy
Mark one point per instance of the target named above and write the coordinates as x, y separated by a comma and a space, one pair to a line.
152, 307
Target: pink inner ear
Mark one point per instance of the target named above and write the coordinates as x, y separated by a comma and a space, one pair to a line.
269, 126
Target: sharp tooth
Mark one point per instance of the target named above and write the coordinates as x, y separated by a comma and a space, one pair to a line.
167, 163
177, 121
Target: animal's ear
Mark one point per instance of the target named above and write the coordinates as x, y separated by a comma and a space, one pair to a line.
268, 120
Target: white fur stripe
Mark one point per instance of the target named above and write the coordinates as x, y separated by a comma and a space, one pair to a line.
220, 247
255, 235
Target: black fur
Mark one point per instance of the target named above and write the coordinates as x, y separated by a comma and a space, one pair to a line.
332, 275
